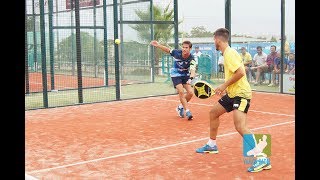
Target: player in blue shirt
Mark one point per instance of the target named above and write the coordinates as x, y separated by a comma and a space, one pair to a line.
182, 72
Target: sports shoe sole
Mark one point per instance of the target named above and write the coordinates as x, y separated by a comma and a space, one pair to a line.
190, 118
263, 168
179, 113
209, 152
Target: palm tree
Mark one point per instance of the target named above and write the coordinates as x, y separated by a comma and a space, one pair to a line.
162, 32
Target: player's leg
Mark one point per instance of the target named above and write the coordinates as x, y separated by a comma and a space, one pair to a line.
188, 97
241, 107
177, 83
222, 106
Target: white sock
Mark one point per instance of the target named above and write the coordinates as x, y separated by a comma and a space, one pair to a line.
211, 142
187, 110
180, 106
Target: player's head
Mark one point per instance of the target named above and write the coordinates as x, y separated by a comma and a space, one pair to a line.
186, 47
220, 37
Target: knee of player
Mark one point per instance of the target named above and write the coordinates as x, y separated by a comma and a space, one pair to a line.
181, 93
213, 114
240, 128
190, 93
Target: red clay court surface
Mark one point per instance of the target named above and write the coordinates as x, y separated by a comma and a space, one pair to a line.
145, 139
66, 82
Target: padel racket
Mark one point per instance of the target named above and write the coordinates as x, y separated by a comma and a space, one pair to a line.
203, 90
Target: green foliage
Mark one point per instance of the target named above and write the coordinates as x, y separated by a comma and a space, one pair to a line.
68, 48
29, 24
200, 32
135, 50
273, 39
162, 32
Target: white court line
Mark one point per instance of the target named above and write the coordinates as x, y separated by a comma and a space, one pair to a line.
28, 177
263, 112
152, 149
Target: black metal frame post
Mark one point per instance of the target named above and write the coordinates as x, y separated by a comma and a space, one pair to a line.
116, 49
228, 18
176, 24
51, 41
43, 55
283, 39
105, 43
78, 50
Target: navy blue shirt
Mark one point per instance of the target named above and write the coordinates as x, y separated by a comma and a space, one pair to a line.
181, 66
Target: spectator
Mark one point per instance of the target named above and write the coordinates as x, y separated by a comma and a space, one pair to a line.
196, 54
291, 64
270, 60
286, 47
277, 68
260, 64
247, 62
221, 66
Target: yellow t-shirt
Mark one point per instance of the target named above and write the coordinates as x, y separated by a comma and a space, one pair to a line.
246, 58
232, 61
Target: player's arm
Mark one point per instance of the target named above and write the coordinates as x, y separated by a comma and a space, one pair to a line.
193, 66
238, 74
234, 65
162, 47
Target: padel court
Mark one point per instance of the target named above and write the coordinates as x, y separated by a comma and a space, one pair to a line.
145, 139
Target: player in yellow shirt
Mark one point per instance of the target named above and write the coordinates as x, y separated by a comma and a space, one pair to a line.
236, 95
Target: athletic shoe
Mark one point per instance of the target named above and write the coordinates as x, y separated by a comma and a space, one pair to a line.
208, 149
180, 112
189, 115
262, 163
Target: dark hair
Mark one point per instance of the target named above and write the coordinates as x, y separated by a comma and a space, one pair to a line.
275, 47
259, 47
197, 47
187, 42
222, 32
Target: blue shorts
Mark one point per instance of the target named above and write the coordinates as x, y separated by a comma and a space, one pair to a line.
179, 80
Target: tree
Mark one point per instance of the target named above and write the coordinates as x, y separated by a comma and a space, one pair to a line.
273, 39
162, 32
68, 50
200, 31
29, 24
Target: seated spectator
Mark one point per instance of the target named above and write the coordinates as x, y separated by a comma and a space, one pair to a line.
277, 68
260, 64
270, 60
247, 62
291, 64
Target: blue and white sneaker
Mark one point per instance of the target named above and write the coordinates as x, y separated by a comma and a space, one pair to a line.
180, 112
208, 149
189, 115
261, 163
